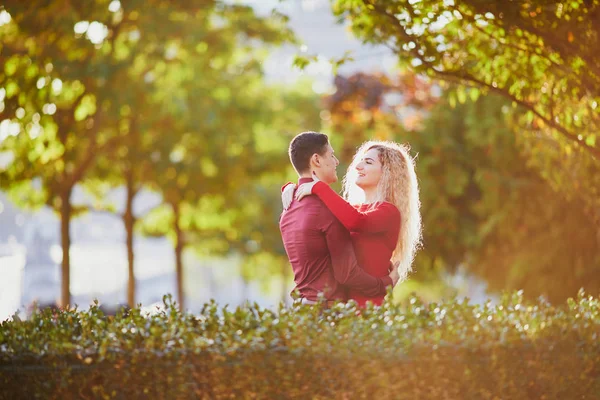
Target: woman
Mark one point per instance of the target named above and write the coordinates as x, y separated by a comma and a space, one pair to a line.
380, 208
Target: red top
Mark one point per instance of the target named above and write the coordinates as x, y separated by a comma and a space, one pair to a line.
321, 253
374, 234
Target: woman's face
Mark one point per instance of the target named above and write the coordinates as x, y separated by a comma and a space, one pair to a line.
369, 170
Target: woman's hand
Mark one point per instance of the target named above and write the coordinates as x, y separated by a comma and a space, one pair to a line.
306, 188
287, 195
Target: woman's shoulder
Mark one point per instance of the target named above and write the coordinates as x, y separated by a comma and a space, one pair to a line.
382, 205
389, 207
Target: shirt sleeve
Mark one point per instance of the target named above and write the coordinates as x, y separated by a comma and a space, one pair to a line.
343, 260
380, 219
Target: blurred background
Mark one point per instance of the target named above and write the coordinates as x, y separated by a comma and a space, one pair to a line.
143, 144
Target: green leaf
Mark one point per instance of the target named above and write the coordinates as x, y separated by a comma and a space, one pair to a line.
474, 94
301, 62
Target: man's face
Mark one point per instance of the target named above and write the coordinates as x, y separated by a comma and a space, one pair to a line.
328, 163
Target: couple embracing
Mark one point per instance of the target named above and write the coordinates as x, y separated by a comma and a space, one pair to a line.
358, 245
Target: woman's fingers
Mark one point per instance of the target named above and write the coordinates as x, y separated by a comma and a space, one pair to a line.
304, 190
301, 192
286, 200
287, 196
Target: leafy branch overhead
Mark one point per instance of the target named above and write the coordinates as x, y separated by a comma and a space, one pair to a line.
540, 54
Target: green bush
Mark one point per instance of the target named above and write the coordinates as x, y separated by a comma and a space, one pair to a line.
449, 350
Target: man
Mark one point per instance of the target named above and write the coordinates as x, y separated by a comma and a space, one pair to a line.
317, 244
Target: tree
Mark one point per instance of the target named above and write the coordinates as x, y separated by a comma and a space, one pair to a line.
538, 54
191, 82
128, 167
254, 232
360, 110
221, 148
57, 95
91, 53
484, 207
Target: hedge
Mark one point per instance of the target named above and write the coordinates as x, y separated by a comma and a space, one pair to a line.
446, 350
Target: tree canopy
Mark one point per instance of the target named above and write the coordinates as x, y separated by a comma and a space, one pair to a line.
155, 78
484, 207
539, 54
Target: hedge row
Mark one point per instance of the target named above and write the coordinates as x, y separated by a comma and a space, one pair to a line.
448, 350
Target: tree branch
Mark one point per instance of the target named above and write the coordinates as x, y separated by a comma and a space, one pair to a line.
461, 77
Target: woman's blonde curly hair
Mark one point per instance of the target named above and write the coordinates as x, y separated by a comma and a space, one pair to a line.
398, 185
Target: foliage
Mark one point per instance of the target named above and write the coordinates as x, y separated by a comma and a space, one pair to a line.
228, 167
451, 350
361, 109
486, 209
255, 230
539, 54
142, 93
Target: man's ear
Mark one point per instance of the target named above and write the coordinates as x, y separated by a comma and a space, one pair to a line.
315, 160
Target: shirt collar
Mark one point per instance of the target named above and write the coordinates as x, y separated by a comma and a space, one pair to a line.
304, 180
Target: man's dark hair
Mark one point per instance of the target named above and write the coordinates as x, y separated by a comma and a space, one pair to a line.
303, 146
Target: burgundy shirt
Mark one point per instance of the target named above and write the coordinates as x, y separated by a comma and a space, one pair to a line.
321, 253
374, 231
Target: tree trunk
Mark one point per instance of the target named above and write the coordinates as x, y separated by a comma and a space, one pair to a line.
129, 221
179, 245
245, 290
65, 219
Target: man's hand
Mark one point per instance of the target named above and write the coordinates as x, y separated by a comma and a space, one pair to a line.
287, 195
306, 188
395, 276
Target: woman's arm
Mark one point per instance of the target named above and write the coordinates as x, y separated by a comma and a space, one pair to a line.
380, 219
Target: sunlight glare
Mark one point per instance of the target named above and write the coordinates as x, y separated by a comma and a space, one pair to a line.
97, 32
441, 21
81, 27
114, 6
35, 131
41, 83
56, 253
4, 129
322, 87
57, 86
49, 108
14, 129
4, 17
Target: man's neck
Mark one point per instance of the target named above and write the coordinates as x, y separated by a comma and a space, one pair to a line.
310, 175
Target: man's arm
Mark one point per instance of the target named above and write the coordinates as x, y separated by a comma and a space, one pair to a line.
343, 260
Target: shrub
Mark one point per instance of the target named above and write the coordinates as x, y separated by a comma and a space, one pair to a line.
447, 350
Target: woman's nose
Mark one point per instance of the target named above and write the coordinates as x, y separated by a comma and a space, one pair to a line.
359, 166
